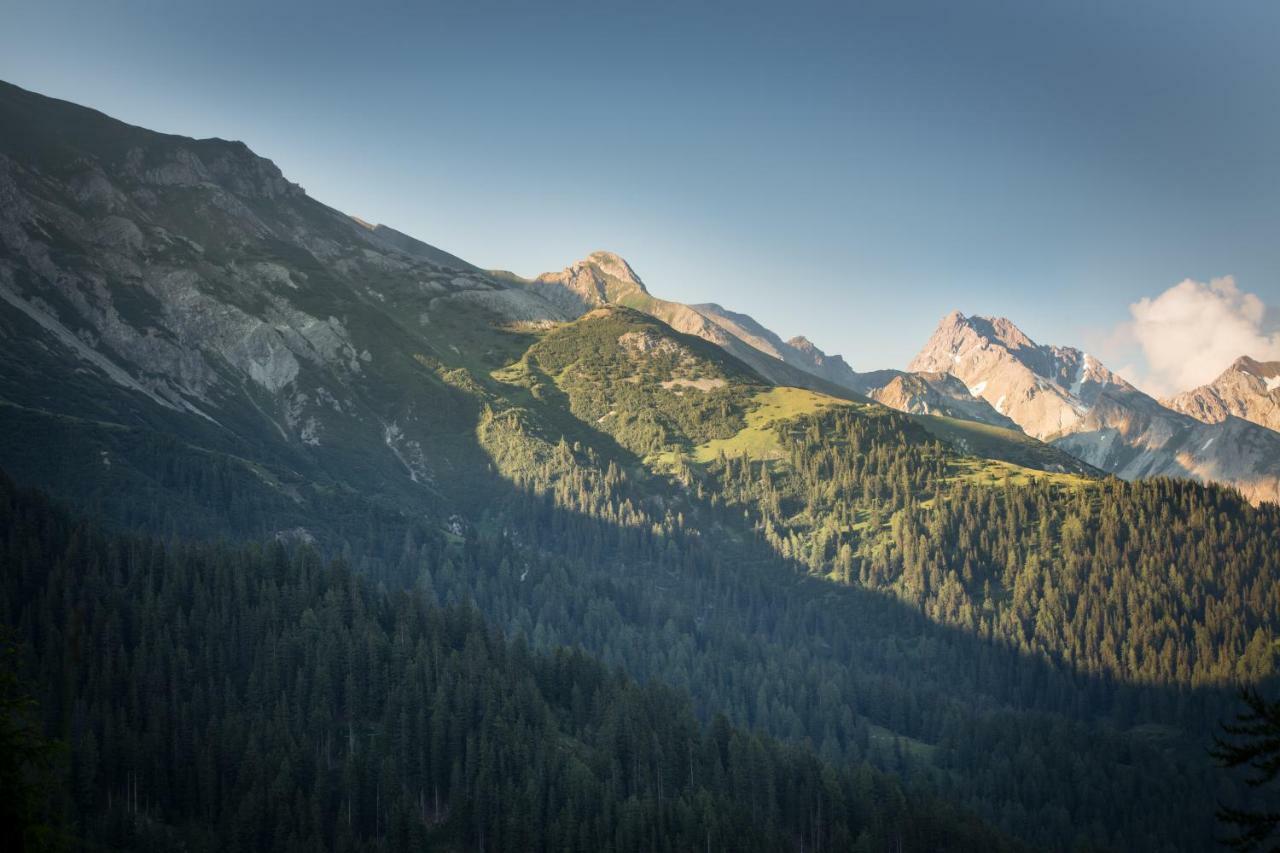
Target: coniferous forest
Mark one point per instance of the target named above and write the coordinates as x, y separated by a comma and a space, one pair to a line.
218, 698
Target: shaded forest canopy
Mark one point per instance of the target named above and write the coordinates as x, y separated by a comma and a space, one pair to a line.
245, 699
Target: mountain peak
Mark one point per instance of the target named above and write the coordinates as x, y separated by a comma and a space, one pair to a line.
1004, 331
1261, 369
614, 266
598, 279
1249, 389
1046, 390
802, 343
1000, 330
1243, 363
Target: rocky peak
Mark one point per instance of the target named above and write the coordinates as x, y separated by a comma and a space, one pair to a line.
1249, 389
1007, 333
614, 266
953, 335
598, 279
1047, 391
1263, 370
987, 340
832, 367
803, 344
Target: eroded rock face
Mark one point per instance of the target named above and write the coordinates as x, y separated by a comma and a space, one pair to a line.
1248, 389
1047, 391
601, 278
147, 301
150, 281
1069, 398
930, 394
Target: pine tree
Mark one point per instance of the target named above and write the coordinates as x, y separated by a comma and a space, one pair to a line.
1253, 742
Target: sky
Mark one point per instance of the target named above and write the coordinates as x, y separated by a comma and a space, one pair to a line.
1107, 175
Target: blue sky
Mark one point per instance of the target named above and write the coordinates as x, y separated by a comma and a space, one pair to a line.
848, 171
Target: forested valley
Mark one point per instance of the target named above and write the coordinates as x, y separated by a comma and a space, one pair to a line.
219, 698
351, 545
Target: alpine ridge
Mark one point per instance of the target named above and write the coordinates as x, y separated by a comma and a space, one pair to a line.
1070, 399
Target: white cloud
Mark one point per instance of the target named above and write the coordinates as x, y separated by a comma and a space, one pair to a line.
1193, 331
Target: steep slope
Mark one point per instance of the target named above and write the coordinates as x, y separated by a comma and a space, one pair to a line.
671, 397
1065, 396
635, 379
797, 352
413, 246
1248, 389
170, 299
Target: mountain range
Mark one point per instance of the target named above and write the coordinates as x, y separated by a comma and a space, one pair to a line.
928, 573
202, 323
988, 371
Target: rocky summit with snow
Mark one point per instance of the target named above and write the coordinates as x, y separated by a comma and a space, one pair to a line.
1248, 389
1070, 399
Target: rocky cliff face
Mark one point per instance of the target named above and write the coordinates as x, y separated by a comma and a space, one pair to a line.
926, 393
1047, 391
601, 278
1069, 398
184, 289
1248, 389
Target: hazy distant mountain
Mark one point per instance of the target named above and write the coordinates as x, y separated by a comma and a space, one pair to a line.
1248, 389
798, 352
1069, 398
